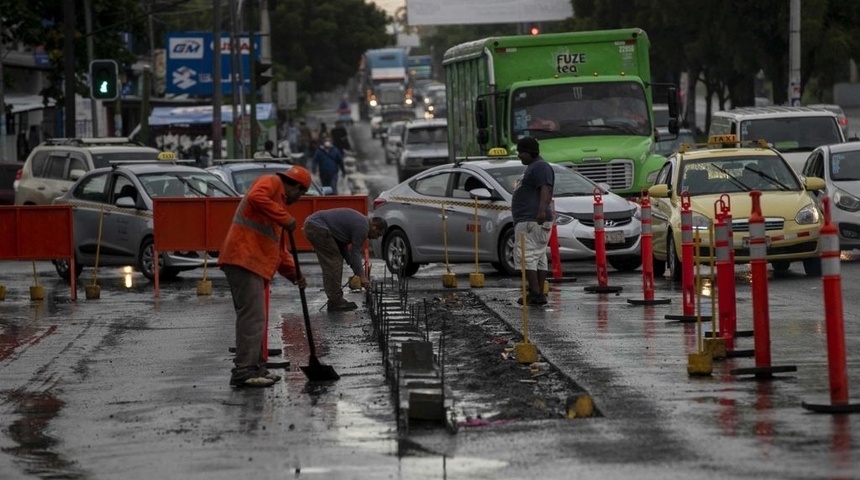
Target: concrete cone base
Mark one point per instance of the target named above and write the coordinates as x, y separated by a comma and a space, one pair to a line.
204, 287
449, 280
2, 293
716, 347
94, 292
476, 280
700, 364
526, 352
37, 292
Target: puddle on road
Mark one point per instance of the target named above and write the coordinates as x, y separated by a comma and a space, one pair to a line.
34, 450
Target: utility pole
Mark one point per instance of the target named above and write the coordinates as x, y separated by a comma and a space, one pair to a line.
69, 69
94, 104
794, 93
217, 96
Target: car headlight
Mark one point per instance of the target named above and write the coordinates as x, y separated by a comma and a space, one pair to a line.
701, 222
373, 103
807, 215
408, 101
846, 201
562, 219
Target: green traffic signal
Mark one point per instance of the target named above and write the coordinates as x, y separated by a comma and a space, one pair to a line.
104, 80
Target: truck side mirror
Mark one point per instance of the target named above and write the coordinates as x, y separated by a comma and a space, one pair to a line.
481, 114
674, 111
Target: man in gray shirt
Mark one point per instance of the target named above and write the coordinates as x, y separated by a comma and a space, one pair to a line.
338, 234
531, 208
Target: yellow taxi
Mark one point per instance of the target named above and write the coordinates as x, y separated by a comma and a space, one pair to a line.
725, 166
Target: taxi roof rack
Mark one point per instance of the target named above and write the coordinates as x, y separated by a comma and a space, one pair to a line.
495, 153
176, 161
92, 142
724, 141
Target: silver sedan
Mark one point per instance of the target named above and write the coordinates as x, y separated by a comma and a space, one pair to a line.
415, 207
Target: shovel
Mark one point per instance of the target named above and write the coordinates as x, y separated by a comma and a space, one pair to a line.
315, 371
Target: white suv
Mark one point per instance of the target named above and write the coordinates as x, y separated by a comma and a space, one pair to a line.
53, 166
793, 131
425, 145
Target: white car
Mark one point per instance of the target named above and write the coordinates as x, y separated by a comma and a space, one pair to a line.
839, 166
413, 210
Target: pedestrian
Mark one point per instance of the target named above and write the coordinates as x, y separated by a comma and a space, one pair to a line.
321, 135
338, 234
256, 248
267, 151
340, 137
531, 208
328, 161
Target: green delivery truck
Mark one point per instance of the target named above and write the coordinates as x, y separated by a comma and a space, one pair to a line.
586, 96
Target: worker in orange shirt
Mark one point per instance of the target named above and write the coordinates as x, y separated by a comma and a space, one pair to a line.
256, 248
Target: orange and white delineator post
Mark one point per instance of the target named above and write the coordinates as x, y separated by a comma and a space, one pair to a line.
647, 258
688, 289
761, 308
834, 321
600, 249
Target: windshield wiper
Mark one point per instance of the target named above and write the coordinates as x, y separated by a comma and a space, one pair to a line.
767, 177
192, 187
215, 186
547, 130
744, 187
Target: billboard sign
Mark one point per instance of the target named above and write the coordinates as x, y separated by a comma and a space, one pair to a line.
458, 12
190, 63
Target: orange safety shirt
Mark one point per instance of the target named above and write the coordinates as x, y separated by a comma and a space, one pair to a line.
255, 240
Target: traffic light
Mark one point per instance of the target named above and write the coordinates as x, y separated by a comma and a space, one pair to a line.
534, 29
262, 73
104, 80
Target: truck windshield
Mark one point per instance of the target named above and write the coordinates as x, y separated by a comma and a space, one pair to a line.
793, 134
582, 109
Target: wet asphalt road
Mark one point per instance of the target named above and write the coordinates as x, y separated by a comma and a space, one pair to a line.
129, 386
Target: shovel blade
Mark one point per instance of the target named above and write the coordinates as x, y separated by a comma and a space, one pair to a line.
317, 372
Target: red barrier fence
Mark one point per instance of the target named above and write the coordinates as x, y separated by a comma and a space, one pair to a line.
201, 224
38, 233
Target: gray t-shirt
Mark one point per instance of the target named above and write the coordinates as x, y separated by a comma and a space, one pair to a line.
526, 199
347, 226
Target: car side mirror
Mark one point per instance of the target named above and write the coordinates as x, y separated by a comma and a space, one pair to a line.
75, 174
481, 114
659, 191
126, 202
481, 193
814, 183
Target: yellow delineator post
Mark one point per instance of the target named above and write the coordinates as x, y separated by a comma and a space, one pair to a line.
37, 292
204, 287
93, 291
714, 344
476, 278
449, 279
700, 363
525, 352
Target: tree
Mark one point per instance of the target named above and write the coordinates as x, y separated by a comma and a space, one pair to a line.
319, 43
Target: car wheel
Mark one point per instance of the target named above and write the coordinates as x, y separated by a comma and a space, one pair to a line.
812, 267
625, 263
507, 250
672, 260
63, 268
398, 254
147, 266
659, 266
781, 266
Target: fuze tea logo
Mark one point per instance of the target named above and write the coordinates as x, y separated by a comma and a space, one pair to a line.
566, 62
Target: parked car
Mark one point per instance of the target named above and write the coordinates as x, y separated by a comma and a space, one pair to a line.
8, 178
792, 217
53, 166
839, 166
668, 144
425, 144
394, 141
122, 196
413, 210
240, 174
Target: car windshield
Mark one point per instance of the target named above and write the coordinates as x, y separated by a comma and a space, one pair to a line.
568, 183
427, 135
845, 166
793, 134
101, 160
243, 179
737, 174
184, 184
582, 109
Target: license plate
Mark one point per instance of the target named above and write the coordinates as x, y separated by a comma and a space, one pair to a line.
614, 237
746, 241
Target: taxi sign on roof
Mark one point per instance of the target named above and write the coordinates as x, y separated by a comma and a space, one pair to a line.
166, 156
730, 138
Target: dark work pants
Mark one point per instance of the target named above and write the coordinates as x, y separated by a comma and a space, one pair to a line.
249, 300
331, 261
329, 179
